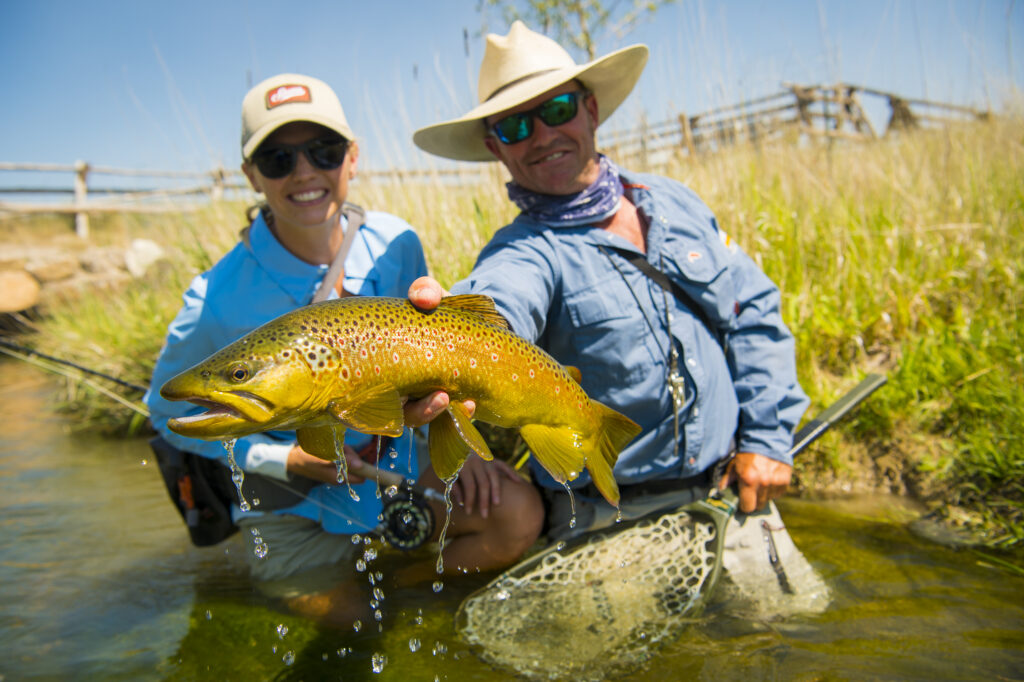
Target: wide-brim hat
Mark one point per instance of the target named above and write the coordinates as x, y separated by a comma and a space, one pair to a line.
285, 98
518, 67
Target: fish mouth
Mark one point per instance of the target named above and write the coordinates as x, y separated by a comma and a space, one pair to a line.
227, 415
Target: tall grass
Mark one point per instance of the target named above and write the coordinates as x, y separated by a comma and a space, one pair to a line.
903, 256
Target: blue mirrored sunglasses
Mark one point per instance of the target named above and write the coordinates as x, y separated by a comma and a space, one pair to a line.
557, 111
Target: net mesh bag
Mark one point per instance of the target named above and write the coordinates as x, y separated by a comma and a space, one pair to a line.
602, 604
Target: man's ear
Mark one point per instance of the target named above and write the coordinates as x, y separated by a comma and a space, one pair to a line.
492, 146
590, 103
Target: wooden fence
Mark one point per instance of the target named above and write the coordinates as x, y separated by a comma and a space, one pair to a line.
798, 111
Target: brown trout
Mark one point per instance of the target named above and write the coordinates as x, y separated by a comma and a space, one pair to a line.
347, 363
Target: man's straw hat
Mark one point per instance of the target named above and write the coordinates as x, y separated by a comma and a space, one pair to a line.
518, 67
286, 98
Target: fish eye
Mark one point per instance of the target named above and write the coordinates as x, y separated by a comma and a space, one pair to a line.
239, 373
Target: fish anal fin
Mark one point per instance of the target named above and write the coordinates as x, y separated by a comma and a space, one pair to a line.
477, 304
323, 441
452, 438
376, 410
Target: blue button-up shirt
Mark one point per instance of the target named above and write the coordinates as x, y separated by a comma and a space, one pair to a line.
254, 283
589, 307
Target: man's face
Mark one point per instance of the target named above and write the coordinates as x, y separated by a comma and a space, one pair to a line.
553, 160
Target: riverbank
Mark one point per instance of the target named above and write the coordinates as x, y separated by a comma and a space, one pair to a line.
902, 256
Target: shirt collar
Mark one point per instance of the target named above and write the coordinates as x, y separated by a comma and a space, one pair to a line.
293, 275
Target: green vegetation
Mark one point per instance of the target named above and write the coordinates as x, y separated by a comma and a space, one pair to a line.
903, 256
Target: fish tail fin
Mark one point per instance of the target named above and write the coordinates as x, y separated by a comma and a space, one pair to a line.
603, 448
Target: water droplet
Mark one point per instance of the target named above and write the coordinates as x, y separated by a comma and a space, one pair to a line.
288, 658
357, 625
370, 554
419, 617
209, 614
560, 546
360, 565
356, 538
440, 648
502, 595
438, 586
414, 645
391, 492
282, 630
378, 593
378, 616
378, 661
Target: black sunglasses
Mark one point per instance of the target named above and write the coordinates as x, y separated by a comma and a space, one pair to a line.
326, 153
557, 111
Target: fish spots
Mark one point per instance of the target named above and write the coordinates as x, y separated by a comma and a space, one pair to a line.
515, 377
472, 363
558, 389
428, 354
358, 373
395, 357
376, 370
532, 373
455, 372
345, 373
494, 357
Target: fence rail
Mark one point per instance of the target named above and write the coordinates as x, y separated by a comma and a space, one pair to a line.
814, 112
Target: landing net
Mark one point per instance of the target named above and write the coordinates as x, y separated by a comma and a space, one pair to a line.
601, 605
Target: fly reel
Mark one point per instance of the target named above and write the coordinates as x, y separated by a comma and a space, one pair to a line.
407, 519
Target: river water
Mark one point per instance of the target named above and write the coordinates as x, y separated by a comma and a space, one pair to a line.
98, 581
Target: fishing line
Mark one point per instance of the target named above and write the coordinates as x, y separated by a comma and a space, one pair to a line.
67, 363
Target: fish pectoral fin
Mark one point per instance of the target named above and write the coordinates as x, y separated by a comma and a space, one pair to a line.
575, 373
377, 410
451, 438
323, 441
557, 448
477, 304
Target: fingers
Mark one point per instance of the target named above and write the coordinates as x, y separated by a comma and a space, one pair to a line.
760, 479
422, 411
425, 293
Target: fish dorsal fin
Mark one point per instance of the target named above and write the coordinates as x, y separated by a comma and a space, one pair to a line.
376, 410
323, 441
452, 438
575, 373
477, 304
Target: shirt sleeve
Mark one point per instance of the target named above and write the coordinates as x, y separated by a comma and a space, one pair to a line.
761, 357
519, 270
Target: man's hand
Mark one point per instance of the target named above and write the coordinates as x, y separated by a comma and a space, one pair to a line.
301, 463
760, 479
426, 293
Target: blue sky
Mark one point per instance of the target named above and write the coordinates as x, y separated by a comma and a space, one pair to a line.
158, 85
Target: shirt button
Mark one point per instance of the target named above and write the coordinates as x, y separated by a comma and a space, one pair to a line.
696, 411
692, 362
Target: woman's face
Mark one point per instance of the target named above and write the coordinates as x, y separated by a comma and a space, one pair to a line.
308, 196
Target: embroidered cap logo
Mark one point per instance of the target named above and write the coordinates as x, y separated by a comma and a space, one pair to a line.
283, 94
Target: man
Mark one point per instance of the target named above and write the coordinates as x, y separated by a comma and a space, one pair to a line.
300, 154
702, 360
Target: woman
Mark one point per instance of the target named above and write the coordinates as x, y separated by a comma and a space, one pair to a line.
300, 154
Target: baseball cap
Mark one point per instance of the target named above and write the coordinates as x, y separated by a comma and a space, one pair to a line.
286, 98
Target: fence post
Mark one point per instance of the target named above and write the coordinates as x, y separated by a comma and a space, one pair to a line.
218, 184
81, 191
684, 121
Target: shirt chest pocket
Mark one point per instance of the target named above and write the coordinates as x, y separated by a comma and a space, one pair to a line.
608, 336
